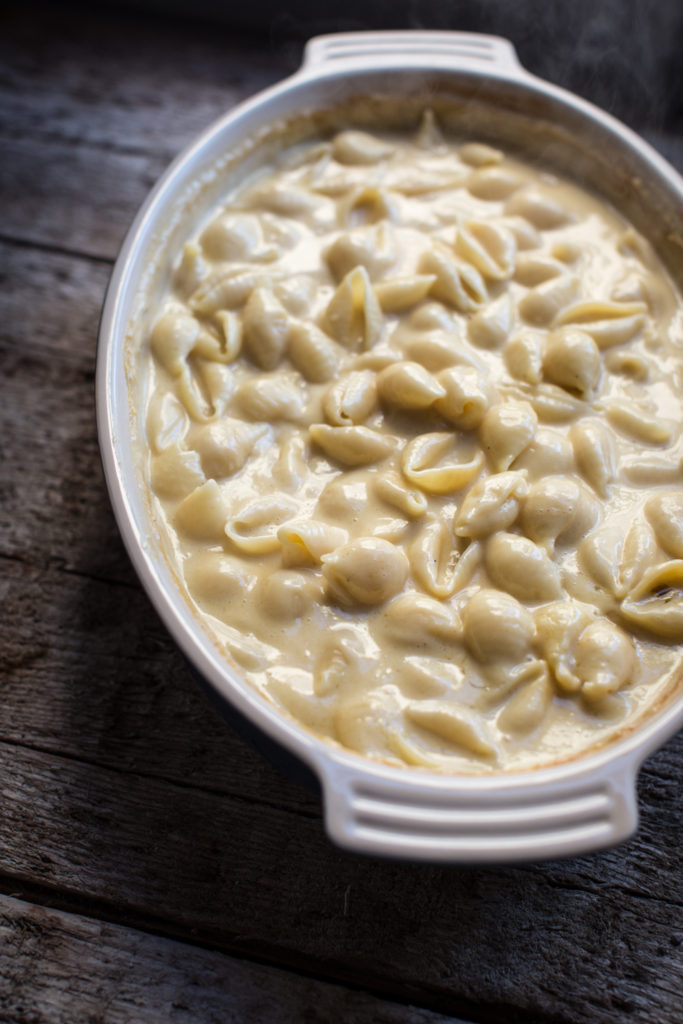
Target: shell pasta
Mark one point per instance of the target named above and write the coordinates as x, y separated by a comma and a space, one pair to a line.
414, 418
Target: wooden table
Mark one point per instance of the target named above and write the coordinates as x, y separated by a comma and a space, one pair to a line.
152, 866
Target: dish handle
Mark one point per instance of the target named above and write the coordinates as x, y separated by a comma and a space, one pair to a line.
378, 49
479, 820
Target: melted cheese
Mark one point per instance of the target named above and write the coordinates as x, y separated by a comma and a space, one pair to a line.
415, 434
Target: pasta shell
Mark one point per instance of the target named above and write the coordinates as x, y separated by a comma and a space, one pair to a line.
527, 709
551, 403
400, 293
493, 183
225, 446
551, 508
356, 147
167, 422
558, 626
367, 571
352, 446
652, 471
540, 209
490, 327
489, 247
433, 316
314, 355
230, 341
254, 529
458, 284
456, 725
507, 429
297, 294
265, 324
548, 452
172, 339
291, 467
628, 364
665, 513
656, 603
271, 398
409, 386
353, 315
532, 270
595, 454
608, 323
285, 200
192, 271
526, 235
352, 399
431, 462
497, 627
478, 154
421, 677
305, 541
340, 660
572, 359
418, 619
628, 418
175, 472
234, 236
605, 659
520, 567
287, 595
434, 557
202, 513
367, 205
492, 504
372, 247
616, 560
523, 356
468, 396
543, 304
439, 351
394, 490
362, 724
225, 290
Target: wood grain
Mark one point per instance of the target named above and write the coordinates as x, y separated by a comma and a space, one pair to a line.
266, 883
56, 967
125, 801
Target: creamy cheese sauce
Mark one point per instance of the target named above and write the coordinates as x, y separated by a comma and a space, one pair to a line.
414, 420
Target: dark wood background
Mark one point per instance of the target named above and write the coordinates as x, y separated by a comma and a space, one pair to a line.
152, 866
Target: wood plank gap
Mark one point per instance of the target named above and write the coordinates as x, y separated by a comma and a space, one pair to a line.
59, 565
597, 890
56, 250
177, 783
434, 1002
56, 966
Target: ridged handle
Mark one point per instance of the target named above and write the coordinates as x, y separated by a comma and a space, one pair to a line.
475, 824
379, 49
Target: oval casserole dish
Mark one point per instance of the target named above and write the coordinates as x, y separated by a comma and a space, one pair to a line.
377, 79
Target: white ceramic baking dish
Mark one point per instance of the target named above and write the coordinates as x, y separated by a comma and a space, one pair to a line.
570, 808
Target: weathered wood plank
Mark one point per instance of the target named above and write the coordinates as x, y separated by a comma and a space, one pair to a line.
49, 307
57, 967
75, 198
593, 940
126, 84
53, 504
